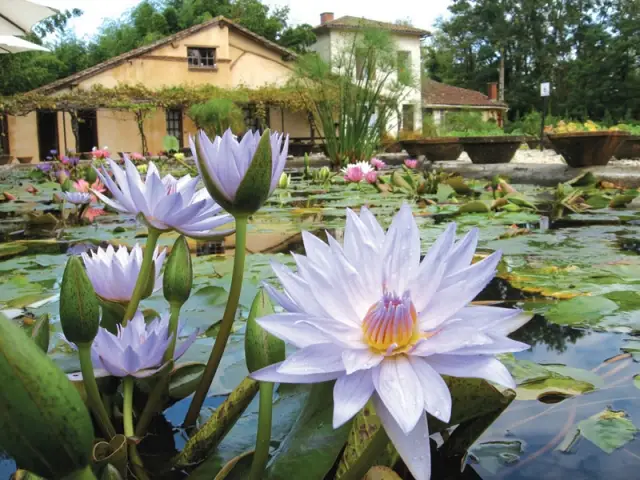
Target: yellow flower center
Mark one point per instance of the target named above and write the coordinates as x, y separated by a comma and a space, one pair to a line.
391, 324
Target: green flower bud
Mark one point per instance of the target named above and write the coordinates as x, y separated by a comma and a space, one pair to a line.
90, 175
178, 273
44, 425
284, 181
261, 349
79, 306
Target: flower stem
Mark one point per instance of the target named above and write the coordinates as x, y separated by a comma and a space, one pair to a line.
93, 394
143, 276
368, 458
225, 325
173, 331
127, 420
127, 407
261, 455
153, 402
85, 474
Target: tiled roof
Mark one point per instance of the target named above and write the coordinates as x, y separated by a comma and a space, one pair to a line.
436, 93
353, 23
115, 61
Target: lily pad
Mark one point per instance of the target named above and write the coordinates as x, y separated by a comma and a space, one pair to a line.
608, 430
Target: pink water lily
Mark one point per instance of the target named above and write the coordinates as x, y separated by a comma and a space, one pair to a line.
354, 174
378, 164
385, 325
411, 163
371, 177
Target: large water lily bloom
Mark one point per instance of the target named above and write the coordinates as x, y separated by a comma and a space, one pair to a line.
240, 176
77, 198
163, 203
385, 325
113, 273
136, 350
365, 167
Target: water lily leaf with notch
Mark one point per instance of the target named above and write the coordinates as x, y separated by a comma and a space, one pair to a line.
608, 430
312, 446
493, 456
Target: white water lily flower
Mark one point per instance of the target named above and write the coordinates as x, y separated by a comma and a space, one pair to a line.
164, 203
77, 198
113, 273
364, 166
370, 315
225, 166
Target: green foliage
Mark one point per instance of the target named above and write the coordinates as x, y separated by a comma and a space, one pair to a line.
466, 124
357, 93
217, 115
587, 49
170, 144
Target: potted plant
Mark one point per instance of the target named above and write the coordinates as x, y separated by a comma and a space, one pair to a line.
630, 147
435, 149
585, 145
26, 159
488, 149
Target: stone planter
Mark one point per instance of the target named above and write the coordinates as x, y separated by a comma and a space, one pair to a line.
586, 149
630, 148
25, 159
534, 143
436, 149
5, 159
496, 149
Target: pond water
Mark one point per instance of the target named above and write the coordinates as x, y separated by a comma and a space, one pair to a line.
577, 399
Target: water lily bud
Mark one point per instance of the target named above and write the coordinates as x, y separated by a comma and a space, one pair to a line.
44, 425
67, 185
79, 306
284, 181
90, 175
261, 349
178, 274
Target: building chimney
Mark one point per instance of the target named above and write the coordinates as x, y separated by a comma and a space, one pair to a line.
326, 17
492, 87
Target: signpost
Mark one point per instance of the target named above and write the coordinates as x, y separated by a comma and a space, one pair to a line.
545, 91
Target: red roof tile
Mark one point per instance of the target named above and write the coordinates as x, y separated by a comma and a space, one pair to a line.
436, 93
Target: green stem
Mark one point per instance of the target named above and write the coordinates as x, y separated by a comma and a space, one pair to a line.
143, 276
225, 325
93, 394
173, 331
85, 474
154, 402
261, 455
127, 420
368, 458
127, 407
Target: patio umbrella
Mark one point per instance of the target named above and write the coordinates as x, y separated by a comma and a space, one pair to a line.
18, 16
9, 44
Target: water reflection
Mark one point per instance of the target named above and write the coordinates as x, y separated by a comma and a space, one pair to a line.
554, 337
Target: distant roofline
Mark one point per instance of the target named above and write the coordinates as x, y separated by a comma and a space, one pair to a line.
338, 24
73, 79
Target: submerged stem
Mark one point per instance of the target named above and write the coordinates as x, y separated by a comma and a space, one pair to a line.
368, 458
93, 394
127, 420
143, 276
225, 325
263, 439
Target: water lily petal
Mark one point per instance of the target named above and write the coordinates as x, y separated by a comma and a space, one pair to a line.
318, 358
437, 398
285, 327
271, 374
350, 394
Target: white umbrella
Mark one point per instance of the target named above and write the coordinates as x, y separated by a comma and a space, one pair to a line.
9, 44
18, 16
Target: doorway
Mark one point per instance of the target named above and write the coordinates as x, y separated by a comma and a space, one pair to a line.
47, 122
4, 135
87, 131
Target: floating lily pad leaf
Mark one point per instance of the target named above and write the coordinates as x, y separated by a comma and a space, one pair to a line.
444, 192
632, 347
553, 389
598, 201
475, 206
622, 200
577, 374
524, 371
581, 310
493, 456
11, 249
608, 430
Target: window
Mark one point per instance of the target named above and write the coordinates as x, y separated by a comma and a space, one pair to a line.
365, 64
404, 62
199, 57
174, 124
407, 118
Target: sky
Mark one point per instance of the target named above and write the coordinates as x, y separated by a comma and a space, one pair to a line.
421, 13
